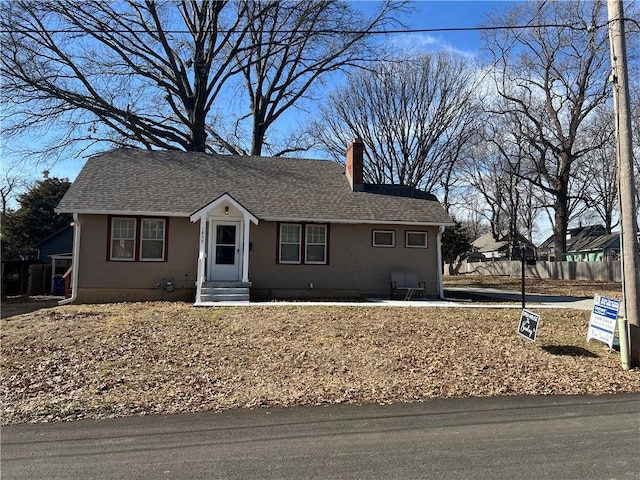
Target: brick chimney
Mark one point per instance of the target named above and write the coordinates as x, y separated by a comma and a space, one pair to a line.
355, 164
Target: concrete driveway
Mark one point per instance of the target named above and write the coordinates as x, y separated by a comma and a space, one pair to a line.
11, 308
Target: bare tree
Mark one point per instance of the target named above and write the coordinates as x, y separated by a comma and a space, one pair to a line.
12, 183
596, 170
292, 45
149, 73
635, 125
415, 116
473, 221
137, 72
508, 203
551, 79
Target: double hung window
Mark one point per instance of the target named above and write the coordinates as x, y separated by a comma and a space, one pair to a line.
152, 239
290, 242
123, 238
316, 244
302, 244
137, 239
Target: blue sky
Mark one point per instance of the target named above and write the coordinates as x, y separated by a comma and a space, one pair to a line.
426, 15
449, 14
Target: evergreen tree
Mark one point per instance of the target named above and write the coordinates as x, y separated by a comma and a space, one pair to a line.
455, 242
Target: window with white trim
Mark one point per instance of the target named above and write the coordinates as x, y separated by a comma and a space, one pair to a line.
415, 239
384, 238
152, 237
316, 244
290, 243
123, 238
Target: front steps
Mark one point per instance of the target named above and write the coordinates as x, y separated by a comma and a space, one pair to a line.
213, 293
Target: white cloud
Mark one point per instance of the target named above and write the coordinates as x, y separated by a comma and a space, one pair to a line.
428, 42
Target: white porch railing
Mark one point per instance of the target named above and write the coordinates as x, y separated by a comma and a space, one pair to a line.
202, 261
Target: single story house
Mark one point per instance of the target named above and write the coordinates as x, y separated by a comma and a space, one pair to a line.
152, 225
546, 250
595, 249
58, 243
55, 250
488, 248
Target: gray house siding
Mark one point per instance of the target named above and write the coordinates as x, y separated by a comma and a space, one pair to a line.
355, 267
100, 280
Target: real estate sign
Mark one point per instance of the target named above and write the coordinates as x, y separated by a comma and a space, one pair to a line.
604, 316
529, 323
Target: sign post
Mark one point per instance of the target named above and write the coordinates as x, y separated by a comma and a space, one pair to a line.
522, 254
604, 315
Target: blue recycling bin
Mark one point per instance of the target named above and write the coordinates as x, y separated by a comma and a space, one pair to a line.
58, 286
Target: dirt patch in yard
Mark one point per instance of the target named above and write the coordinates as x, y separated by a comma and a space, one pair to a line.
98, 361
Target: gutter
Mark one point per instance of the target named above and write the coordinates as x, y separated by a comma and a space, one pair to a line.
74, 262
439, 261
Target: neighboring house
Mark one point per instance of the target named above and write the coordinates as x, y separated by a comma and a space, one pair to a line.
55, 250
175, 225
595, 249
487, 248
60, 242
546, 250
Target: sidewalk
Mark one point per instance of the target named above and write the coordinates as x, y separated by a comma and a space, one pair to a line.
466, 297
538, 300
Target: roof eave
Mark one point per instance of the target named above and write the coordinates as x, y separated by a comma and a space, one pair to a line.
136, 213
355, 221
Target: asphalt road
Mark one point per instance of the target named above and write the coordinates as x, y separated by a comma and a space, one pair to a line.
492, 438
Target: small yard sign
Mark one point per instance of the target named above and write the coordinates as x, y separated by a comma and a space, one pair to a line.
604, 316
529, 323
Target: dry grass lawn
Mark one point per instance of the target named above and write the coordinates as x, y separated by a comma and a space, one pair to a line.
96, 361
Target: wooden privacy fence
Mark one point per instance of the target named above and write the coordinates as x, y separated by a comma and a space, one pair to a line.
39, 282
606, 270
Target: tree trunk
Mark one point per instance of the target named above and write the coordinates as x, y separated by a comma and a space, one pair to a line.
560, 227
257, 138
198, 141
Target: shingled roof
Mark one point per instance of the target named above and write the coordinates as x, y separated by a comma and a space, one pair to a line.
131, 181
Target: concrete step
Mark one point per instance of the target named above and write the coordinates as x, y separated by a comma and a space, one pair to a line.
211, 294
226, 285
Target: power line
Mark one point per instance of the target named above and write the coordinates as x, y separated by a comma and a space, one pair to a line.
575, 26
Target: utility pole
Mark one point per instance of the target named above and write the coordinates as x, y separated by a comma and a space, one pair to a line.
626, 196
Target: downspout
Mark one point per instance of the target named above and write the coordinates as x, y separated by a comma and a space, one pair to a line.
439, 262
75, 262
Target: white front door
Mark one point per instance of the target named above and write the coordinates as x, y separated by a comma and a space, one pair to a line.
224, 248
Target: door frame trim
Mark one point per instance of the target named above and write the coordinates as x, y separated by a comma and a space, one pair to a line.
239, 254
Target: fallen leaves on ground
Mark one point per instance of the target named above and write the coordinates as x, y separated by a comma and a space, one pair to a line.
97, 361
